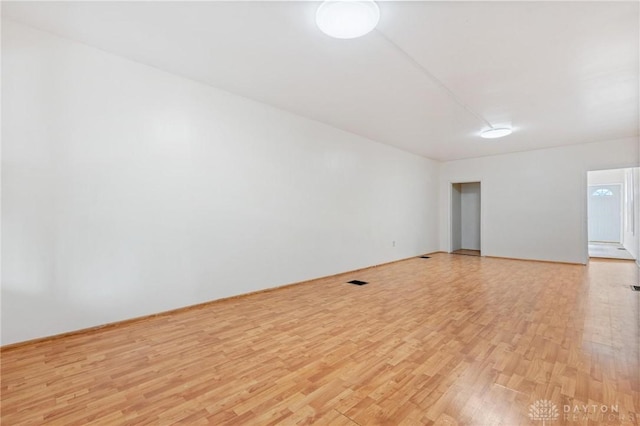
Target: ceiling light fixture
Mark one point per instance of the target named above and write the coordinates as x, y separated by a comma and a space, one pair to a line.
347, 18
496, 132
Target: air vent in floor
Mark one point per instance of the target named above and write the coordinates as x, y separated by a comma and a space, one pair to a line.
358, 282
635, 287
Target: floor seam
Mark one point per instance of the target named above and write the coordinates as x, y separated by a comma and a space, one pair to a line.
344, 415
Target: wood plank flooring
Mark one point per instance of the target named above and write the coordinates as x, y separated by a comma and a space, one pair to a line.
447, 340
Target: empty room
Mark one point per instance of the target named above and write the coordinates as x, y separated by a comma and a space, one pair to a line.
333, 213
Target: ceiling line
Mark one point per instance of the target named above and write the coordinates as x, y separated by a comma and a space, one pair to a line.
434, 79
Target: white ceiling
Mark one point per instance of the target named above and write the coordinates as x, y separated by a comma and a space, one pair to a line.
559, 72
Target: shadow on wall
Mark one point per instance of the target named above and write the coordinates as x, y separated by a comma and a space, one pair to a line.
20, 321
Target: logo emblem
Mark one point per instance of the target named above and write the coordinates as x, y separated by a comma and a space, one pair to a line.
544, 410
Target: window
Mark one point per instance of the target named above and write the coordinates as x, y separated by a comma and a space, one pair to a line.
602, 192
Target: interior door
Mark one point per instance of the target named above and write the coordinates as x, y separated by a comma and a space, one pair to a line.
604, 213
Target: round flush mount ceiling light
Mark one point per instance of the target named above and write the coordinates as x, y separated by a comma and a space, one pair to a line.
496, 132
347, 18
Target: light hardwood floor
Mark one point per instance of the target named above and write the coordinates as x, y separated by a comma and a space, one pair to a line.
446, 340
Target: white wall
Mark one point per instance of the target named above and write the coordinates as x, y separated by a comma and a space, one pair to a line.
128, 191
606, 177
534, 203
470, 220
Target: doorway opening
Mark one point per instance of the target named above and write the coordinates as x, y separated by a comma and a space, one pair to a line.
612, 213
466, 218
